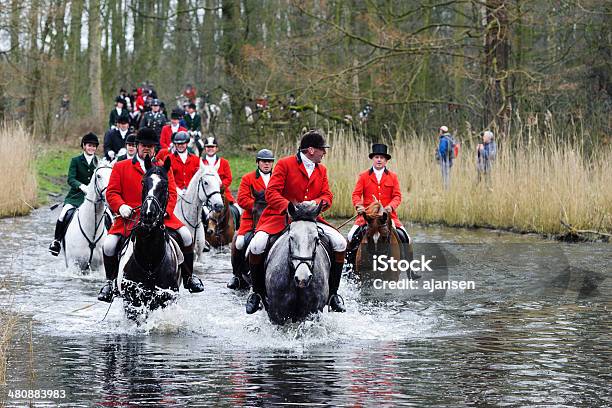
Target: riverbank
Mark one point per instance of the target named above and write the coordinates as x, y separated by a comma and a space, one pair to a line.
533, 187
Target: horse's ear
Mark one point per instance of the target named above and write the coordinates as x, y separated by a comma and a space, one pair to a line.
147, 162
291, 209
385, 217
167, 163
319, 207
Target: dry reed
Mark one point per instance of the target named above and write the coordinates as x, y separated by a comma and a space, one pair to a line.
18, 187
533, 186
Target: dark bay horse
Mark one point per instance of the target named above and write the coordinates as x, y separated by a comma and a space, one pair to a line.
151, 273
240, 266
379, 238
297, 268
220, 225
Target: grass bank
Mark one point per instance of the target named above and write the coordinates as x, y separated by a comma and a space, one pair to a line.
533, 186
18, 187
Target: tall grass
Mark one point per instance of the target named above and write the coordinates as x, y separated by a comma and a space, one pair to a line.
533, 185
18, 187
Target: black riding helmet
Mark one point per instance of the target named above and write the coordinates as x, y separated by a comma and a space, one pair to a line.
89, 138
180, 137
313, 138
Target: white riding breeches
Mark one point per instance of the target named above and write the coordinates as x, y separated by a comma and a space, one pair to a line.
111, 241
338, 243
65, 209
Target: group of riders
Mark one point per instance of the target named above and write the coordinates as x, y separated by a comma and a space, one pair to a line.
297, 178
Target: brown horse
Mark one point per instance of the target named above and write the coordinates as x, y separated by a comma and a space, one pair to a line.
379, 238
240, 266
220, 225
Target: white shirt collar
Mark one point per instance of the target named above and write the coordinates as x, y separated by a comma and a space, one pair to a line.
174, 128
265, 178
142, 165
183, 156
88, 157
123, 133
378, 173
309, 165
192, 114
211, 159
118, 109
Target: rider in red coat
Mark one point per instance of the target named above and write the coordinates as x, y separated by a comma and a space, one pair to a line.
124, 195
255, 181
220, 165
184, 164
381, 184
296, 179
165, 139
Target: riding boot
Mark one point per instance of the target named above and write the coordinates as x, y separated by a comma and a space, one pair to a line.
56, 245
258, 279
111, 267
236, 281
336, 303
353, 246
190, 282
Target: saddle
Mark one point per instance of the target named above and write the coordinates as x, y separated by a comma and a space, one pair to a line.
236, 215
323, 241
67, 218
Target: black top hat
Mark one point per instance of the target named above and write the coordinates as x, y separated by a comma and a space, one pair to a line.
313, 138
123, 119
147, 136
379, 148
90, 138
192, 105
120, 99
131, 138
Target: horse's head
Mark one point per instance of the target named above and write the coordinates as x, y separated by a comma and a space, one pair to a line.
259, 205
218, 217
303, 241
379, 222
154, 194
101, 178
209, 189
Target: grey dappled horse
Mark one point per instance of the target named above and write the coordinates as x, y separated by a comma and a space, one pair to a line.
297, 268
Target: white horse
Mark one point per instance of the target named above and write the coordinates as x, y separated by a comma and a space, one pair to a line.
82, 244
204, 189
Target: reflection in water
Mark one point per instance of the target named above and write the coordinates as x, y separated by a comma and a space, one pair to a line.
535, 330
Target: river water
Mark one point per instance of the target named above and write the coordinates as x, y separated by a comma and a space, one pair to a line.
534, 331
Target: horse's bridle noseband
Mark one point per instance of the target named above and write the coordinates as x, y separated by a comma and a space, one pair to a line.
99, 193
161, 211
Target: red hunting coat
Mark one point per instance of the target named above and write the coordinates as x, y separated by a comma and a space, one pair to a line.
125, 187
183, 172
290, 183
246, 200
387, 192
165, 138
222, 167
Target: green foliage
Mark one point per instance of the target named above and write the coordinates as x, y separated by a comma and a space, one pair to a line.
51, 171
240, 165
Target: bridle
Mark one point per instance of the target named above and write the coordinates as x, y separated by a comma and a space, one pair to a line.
205, 202
99, 192
306, 260
161, 210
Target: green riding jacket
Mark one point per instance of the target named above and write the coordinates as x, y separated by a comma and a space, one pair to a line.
79, 173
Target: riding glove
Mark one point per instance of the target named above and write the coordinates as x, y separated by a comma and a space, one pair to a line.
125, 211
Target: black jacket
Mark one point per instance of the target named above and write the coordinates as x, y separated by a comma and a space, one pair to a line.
113, 142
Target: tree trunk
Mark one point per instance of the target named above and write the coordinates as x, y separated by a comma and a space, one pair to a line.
95, 63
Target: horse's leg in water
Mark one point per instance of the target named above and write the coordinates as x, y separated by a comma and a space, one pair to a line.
111, 266
185, 240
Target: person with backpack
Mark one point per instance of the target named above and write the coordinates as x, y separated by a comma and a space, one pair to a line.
445, 154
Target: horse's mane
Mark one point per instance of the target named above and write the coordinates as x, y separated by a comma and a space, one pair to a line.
305, 211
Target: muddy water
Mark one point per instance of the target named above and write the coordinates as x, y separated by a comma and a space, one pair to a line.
535, 330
